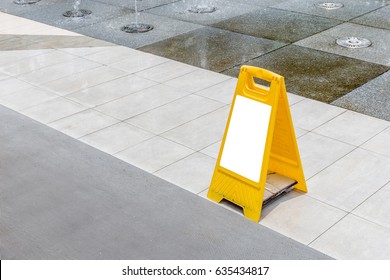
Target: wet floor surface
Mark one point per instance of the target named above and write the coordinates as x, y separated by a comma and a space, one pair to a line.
293, 38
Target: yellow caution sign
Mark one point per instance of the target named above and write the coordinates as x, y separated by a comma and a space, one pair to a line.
259, 139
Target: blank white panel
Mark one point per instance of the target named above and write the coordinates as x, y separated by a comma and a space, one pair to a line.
245, 140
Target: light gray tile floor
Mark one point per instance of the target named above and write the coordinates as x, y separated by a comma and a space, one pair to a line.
351, 180
354, 236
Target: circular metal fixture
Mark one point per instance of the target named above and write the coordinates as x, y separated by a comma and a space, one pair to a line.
137, 28
25, 2
202, 9
353, 42
77, 13
330, 5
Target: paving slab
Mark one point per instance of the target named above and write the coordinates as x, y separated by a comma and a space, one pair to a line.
378, 18
66, 200
53, 14
372, 98
141, 5
164, 28
316, 74
224, 10
378, 52
351, 180
11, 7
277, 25
354, 236
351, 9
212, 48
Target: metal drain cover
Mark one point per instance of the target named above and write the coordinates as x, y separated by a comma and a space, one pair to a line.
137, 28
202, 9
330, 5
24, 2
353, 42
77, 13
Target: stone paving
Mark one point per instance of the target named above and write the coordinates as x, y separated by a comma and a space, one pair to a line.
166, 113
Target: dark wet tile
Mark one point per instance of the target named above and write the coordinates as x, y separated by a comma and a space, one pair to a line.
372, 99
316, 74
278, 25
212, 48
379, 18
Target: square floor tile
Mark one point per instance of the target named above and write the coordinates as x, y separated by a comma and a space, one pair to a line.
140, 102
224, 10
315, 74
192, 173
277, 25
166, 71
12, 56
212, 150
11, 85
293, 98
378, 18
174, 114
212, 48
36, 62
222, 92
116, 138
83, 80
139, 62
53, 110
376, 208
83, 51
310, 114
201, 132
197, 80
300, 217
3, 76
352, 128
351, 180
372, 98
354, 238
376, 53
58, 71
318, 152
112, 55
163, 28
111, 90
25, 98
154, 154
380, 143
83, 123
351, 9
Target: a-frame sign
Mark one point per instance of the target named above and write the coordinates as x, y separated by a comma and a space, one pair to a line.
259, 138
